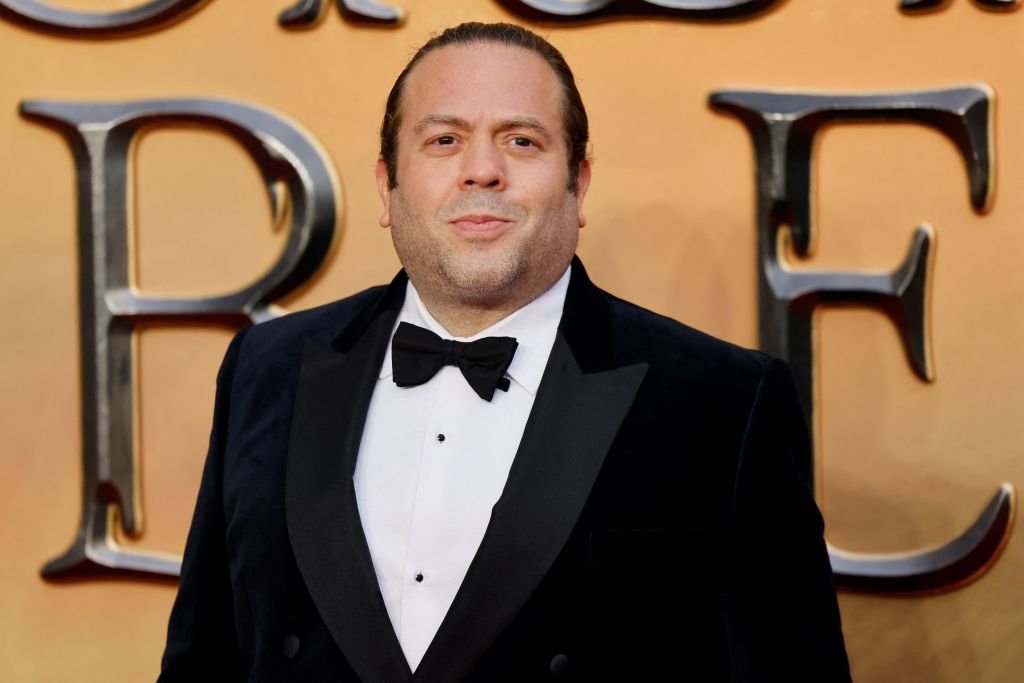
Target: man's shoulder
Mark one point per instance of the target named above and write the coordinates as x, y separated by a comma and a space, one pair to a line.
683, 355
642, 331
691, 372
284, 337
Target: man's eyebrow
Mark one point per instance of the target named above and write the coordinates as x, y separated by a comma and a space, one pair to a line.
527, 122
449, 121
440, 120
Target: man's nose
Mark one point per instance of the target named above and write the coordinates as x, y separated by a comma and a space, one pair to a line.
483, 166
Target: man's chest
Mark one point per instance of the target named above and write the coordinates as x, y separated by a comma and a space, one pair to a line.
432, 463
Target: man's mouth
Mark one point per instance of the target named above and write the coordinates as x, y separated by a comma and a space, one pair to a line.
480, 224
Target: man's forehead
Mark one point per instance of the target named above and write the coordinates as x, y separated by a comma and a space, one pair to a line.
483, 74
465, 57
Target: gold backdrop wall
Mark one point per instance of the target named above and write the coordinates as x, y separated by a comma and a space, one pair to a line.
904, 464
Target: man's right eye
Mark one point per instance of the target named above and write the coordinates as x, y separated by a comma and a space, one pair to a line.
445, 140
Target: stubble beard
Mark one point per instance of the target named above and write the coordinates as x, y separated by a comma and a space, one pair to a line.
480, 276
480, 279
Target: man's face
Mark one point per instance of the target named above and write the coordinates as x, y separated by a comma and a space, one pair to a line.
482, 214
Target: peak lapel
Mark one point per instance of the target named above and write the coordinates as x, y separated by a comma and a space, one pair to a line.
574, 420
333, 395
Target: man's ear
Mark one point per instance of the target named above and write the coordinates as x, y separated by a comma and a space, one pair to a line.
385, 193
582, 185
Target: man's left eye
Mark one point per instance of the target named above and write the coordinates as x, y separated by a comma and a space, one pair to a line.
519, 141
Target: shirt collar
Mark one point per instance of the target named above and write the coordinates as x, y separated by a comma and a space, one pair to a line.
534, 327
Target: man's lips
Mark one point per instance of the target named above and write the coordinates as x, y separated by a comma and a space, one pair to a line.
480, 223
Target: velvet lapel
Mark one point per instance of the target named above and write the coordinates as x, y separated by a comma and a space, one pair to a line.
333, 395
575, 417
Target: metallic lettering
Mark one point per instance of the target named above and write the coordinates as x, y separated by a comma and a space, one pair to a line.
928, 5
569, 10
149, 16
100, 136
783, 127
308, 12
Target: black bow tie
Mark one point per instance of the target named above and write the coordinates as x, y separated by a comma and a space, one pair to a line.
417, 354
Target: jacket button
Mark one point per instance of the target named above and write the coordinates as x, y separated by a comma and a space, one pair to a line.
290, 646
559, 664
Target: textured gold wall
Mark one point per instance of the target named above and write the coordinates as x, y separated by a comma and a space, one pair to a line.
904, 464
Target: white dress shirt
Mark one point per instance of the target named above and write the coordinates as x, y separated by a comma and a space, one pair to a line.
433, 461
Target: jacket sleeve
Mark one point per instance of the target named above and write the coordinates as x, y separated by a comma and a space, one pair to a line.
782, 615
201, 641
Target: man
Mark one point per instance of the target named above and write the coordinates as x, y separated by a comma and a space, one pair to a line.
618, 499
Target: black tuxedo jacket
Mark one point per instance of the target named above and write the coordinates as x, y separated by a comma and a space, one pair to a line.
655, 525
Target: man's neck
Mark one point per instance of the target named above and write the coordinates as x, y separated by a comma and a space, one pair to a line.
462, 320
465, 317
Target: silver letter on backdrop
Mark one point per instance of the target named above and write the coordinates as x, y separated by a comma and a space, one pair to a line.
100, 136
308, 12
783, 127
148, 16
577, 10
928, 5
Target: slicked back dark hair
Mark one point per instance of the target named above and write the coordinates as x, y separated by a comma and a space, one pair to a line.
574, 116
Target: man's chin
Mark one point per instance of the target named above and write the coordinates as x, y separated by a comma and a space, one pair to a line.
483, 283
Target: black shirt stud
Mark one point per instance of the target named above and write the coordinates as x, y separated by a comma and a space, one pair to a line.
290, 646
559, 664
